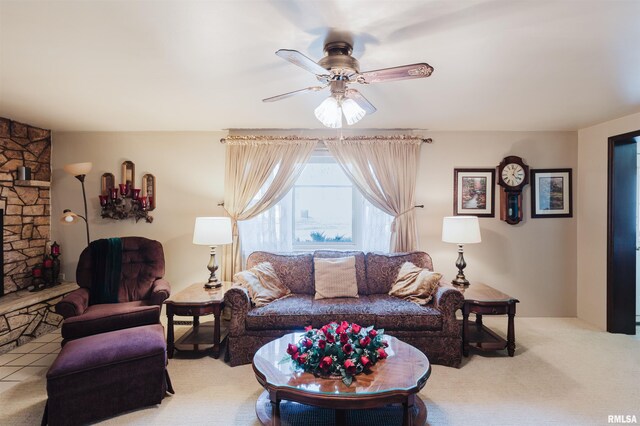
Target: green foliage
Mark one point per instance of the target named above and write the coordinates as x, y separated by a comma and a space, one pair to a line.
321, 237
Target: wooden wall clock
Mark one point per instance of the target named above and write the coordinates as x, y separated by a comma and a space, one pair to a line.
513, 175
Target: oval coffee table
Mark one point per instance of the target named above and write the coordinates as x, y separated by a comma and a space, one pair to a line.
395, 380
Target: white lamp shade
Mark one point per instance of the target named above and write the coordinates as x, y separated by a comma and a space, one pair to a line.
77, 169
461, 230
212, 231
329, 113
352, 111
68, 217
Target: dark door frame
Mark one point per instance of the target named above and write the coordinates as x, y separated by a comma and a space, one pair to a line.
621, 233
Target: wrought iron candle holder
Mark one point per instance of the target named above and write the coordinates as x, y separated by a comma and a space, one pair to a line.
125, 201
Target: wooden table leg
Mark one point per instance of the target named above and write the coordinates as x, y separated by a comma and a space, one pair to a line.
275, 409
196, 321
216, 331
511, 333
407, 411
479, 321
341, 417
170, 335
465, 330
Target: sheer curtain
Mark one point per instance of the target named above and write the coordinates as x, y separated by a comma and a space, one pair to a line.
273, 229
250, 164
385, 172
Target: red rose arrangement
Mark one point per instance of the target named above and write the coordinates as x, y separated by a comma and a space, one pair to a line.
338, 349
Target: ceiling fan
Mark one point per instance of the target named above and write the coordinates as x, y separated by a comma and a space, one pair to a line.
337, 70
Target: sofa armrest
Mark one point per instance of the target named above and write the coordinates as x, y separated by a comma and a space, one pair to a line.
160, 291
237, 298
448, 300
74, 303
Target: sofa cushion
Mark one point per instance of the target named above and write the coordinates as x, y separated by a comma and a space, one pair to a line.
291, 312
294, 270
361, 273
299, 310
335, 277
397, 314
109, 317
382, 269
262, 283
325, 311
415, 284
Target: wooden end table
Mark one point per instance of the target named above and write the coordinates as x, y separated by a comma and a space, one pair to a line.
197, 301
395, 380
480, 299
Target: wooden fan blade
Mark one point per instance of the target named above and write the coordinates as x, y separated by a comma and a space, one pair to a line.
404, 72
302, 61
295, 92
360, 100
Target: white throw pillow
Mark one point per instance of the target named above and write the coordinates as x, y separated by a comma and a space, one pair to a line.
415, 284
262, 283
335, 277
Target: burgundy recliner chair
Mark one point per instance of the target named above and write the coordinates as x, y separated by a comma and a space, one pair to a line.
140, 296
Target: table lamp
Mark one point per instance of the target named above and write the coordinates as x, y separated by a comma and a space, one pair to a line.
460, 230
212, 232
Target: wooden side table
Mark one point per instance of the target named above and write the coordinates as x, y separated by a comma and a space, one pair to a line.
480, 299
197, 301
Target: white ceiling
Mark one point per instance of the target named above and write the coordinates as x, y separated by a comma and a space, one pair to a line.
183, 65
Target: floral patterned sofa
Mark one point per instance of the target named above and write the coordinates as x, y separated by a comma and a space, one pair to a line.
432, 328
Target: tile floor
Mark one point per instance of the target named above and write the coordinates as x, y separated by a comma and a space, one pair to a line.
29, 360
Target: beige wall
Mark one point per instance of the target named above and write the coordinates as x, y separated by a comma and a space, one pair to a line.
592, 216
189, 167
534, 261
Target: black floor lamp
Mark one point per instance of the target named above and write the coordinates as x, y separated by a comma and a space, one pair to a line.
79, 170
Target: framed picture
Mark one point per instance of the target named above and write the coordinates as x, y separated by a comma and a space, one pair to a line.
473, 192
551, 193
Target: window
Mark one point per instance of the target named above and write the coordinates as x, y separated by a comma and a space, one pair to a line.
324, 202
323, 210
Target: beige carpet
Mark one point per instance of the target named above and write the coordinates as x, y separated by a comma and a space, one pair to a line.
564, 373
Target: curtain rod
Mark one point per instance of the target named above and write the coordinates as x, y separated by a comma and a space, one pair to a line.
419, 206
284, 138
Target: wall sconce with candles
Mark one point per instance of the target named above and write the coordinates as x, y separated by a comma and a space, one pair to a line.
126, 201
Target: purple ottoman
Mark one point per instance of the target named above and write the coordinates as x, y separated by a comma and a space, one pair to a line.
106, 374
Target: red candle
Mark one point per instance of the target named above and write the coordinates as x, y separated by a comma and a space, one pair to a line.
143, 202
103, 200
123, 189
135, 194
55, 249
48, 263
114, 193
37, 272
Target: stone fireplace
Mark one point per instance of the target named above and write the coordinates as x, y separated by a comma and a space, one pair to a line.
25, 205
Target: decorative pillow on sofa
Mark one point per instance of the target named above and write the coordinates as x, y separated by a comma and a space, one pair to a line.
262, 283
335, 277
415, 284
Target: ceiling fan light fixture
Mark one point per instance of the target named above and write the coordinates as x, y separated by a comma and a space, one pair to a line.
352, 111
329, 113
